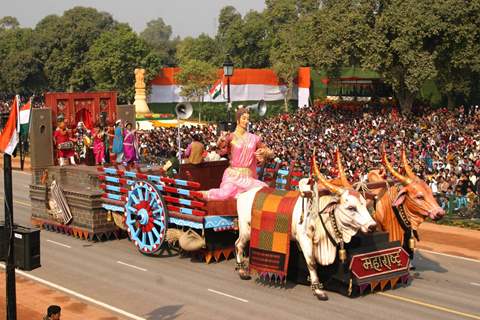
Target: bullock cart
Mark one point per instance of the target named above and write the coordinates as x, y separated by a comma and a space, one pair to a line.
158, 211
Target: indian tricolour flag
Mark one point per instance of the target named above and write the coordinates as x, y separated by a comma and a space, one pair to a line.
216, 89
9, 134
245, 85
25, 117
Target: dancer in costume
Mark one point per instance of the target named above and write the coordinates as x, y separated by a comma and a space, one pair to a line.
245, 149
83, 143
129, 152
64, 145
118, 141
98, 145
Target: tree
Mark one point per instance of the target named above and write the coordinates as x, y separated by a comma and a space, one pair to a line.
113, 57
196, 77
230, 34
458, 48
158, 35
254, 45
64, 42
286, 59
202, 48
228, 17
9, 22
337, 34
401, 49
244, 39
20, 69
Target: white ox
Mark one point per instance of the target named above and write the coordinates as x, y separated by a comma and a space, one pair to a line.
350, 213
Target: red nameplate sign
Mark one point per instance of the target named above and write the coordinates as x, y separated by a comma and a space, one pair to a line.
379, 262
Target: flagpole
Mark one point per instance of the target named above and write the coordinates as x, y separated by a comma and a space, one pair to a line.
10, 259
22, 159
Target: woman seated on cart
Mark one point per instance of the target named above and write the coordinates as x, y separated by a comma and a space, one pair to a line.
245, 149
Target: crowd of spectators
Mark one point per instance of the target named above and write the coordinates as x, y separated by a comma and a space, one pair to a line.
158, 144
443, 146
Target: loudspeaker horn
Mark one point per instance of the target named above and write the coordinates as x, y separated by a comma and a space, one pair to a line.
184, 110
260, 108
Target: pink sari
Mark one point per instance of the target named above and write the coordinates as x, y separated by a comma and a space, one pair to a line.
129, 153
98, 149
241, 175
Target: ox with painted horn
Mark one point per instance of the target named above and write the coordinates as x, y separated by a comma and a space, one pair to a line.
401, 209
319, 224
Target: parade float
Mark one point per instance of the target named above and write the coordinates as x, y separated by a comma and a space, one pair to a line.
292, 221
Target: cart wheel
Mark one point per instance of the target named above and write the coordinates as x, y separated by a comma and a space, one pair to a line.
146, 217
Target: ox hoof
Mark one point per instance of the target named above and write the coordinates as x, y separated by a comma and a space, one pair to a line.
244, 275
321, 295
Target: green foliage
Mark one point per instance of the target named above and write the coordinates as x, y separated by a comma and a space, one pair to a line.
215, 112
244, 39
20, 69
158, 35
202, 48
196, 78
399, 48
9, 22
411, 44
458, 50
340, 31
113, 57
63, 43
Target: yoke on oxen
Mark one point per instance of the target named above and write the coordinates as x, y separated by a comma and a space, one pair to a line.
318, 232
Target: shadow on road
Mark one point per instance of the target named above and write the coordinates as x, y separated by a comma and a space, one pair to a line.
165, 313
422, 263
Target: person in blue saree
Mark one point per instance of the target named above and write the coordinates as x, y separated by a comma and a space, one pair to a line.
118, 141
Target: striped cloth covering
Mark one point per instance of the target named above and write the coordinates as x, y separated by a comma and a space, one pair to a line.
245, 85
270, 232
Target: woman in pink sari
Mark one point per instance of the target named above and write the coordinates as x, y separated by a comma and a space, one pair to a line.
245, 150
129, 153
98, 146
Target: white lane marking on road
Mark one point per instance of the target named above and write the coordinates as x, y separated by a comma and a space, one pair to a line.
59, 244
18, 202
451, 256
227, 295
475, 284
22, 172
131, 266
77, 295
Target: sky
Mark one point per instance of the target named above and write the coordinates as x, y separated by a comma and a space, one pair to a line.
187, 17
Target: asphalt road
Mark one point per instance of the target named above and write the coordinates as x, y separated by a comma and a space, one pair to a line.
114, 273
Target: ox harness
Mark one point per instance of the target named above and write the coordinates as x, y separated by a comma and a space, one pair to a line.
342, 254
339, 245
406, 226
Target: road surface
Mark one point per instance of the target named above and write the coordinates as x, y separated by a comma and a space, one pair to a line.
115, 274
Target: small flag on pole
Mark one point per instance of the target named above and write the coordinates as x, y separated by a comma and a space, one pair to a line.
9, 134
25, 118
216, 89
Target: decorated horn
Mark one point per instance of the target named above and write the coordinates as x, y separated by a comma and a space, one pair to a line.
331, 187
404, 180
406, 166
341, 170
